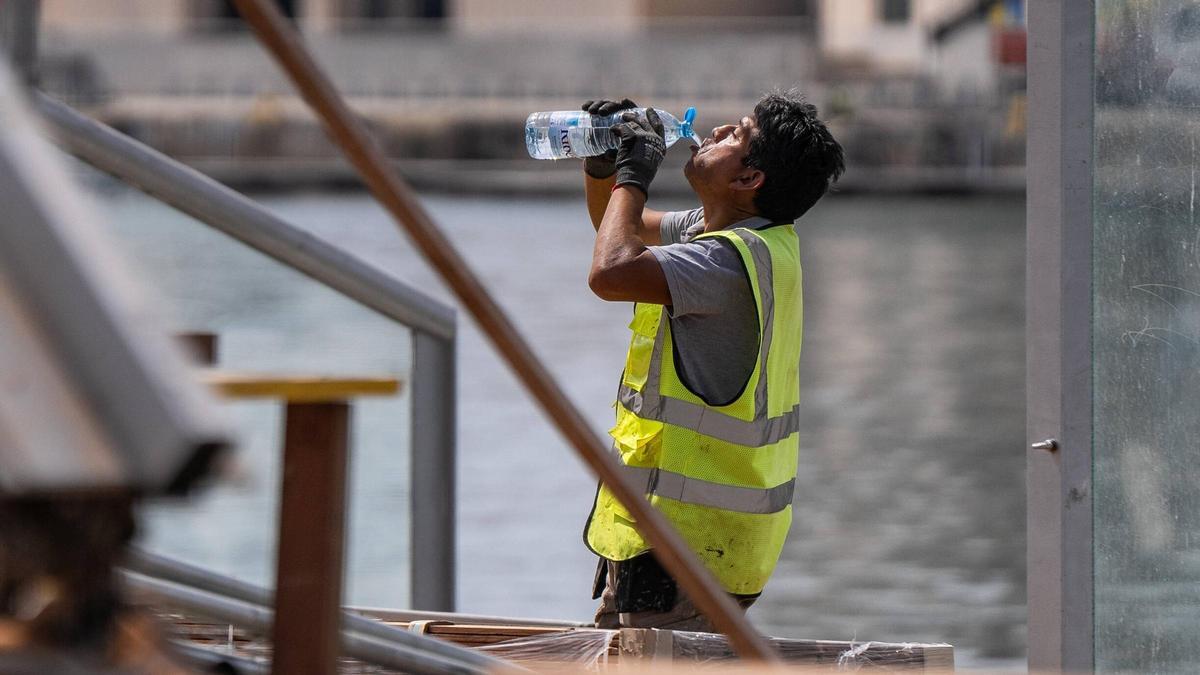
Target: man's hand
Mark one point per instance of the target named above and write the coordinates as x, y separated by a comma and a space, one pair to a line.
605, 165
642, 149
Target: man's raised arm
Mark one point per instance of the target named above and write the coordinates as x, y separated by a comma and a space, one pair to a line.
623, 268
599, 178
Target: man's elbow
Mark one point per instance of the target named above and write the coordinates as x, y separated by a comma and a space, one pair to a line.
634, 277
605, 283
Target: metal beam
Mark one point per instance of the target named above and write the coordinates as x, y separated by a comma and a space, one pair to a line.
1059, 335
180, 573
213, 661
415, 657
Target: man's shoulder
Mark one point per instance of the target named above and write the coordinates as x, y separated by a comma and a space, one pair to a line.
681, 226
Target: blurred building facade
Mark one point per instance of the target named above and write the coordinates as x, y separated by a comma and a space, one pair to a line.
891, 36
907, 83
202, 15
184, 15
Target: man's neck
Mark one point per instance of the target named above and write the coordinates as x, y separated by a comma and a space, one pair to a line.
721, 216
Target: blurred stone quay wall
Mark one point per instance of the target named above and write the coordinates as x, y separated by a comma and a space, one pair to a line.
451, 107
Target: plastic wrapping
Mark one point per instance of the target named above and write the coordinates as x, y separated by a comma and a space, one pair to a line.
691, 646
584, 647
884, 655
711, 647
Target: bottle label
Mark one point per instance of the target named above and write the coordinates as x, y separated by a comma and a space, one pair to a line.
564, 141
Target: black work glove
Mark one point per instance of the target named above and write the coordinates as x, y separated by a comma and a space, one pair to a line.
603, 166
642, 149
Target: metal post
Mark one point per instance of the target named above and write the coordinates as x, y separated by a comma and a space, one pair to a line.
432, 534
312, 507
353, 619
1059, 335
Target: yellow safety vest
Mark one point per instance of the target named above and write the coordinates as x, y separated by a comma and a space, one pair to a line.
723, 475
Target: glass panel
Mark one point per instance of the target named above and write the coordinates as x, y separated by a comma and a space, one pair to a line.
271, 319
1146, 340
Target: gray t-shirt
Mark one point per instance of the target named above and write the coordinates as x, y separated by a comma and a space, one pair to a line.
714, 320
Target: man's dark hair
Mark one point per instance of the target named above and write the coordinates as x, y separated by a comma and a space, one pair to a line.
795, 151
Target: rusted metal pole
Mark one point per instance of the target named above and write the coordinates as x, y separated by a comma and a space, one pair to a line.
284, 43
312, 506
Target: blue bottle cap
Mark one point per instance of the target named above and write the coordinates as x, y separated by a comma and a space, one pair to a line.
689, 116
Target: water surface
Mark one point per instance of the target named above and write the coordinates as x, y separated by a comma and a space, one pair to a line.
909, 511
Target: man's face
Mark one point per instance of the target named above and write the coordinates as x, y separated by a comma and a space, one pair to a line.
718, 160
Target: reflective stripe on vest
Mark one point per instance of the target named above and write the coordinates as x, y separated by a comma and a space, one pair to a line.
681, 488
757, 432
763, 430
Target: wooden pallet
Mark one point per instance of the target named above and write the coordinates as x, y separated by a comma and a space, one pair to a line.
648, 644
647, 647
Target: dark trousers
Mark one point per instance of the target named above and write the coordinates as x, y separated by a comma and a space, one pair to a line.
638, 593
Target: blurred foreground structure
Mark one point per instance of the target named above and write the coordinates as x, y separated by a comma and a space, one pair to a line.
98, 410
926, 94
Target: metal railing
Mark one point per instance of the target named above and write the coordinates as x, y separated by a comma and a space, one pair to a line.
205, 593
432, 535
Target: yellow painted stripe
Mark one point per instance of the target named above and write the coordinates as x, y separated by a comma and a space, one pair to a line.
298, 388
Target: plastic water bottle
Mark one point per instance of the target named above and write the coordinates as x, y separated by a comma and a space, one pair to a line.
574, 133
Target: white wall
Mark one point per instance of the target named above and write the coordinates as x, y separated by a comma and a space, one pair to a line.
107, 15
166, 16
958, 65
853, 31
594, 16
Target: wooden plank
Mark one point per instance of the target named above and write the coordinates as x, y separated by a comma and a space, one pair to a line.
488, 632
939, 658
404, 615
311, 539
513, 631
298, 388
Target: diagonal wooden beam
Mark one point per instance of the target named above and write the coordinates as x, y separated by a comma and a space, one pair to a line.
284, 43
